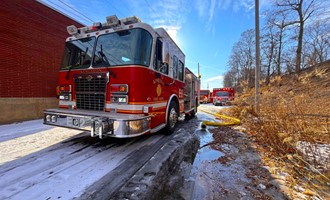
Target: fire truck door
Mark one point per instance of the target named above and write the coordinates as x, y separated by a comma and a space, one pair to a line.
158, 55
193, 93
159, 65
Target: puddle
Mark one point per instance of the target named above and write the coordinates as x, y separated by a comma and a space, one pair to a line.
206, 176
192, 189
206, 153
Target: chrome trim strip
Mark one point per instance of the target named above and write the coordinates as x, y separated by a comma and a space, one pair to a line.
124, 125
157, 128
66, 103
134, 107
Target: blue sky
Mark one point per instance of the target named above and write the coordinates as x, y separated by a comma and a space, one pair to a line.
204, 29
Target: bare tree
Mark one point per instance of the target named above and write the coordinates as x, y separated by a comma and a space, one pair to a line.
317, 42
303, 9
279, 20
235, 63
300, 26
229, 79
247, 50
241, 61
268, 46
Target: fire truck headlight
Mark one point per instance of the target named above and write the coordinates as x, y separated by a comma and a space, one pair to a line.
64, 92
54, 118
138, 126
48, 118
66, 97
123, 99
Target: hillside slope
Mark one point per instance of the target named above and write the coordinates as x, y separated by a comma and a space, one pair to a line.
312, 86
292, 129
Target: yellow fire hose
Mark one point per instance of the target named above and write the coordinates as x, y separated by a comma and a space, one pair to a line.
232, 120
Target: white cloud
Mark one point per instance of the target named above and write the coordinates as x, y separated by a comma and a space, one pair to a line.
169, 14
207, 9
173, 31
224, 4
216, 78
213, 82
201, 6
216, 53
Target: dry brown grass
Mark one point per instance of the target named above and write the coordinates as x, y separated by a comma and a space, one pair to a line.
293, 120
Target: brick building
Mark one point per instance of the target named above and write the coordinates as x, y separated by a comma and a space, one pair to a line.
32, 39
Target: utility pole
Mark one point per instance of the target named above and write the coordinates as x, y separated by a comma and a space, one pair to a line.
199, 76
257, 71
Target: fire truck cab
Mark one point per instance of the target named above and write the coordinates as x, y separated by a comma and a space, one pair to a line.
223, 96
122, 78
205, 96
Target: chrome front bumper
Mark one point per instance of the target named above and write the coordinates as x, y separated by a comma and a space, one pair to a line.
101, 124
222, 101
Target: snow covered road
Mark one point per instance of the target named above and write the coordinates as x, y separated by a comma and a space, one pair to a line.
41, 162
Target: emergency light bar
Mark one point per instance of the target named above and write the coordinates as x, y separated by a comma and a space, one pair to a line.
72, 30
112, 21
97, 25
130, 20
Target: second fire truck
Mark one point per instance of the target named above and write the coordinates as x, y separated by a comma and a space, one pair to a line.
123, 78
223, 96
205, 96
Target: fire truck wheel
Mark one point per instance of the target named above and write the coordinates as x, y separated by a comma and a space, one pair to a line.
172, 118
193, 113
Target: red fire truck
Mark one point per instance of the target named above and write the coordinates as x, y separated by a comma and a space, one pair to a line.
204, 96
211, 97
123, 78
222, 96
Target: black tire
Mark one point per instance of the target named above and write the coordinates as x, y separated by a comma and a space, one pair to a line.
193, 113
172, 119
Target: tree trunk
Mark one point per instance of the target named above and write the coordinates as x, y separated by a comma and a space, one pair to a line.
300, 37
279, 52
270, 58
299, 48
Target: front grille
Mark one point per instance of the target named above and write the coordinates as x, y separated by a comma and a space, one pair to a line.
90, 91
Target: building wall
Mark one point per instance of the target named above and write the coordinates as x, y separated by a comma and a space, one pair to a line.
32, 38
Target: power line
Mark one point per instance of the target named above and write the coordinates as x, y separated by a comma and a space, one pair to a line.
150, 7
45, 20
115, 8
76, 11
61, 9
128, 9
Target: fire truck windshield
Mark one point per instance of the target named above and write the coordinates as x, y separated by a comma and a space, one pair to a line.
78, 53
204, 92
126, 47
221, 94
